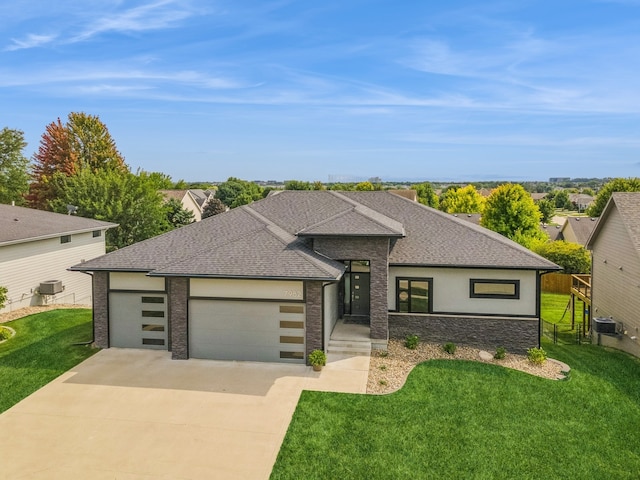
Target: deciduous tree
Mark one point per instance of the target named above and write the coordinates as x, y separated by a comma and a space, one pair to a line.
82, 143
14, 167
510, 211
130, 200
426, 194
615, 185
235, 192
462, 200
572, 257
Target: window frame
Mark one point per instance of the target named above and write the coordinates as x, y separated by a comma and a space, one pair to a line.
429, 281
496, 296
65, 239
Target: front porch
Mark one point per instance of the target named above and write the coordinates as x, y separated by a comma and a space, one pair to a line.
350, 338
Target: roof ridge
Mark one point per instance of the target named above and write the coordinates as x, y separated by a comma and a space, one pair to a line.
287, 239
366, 211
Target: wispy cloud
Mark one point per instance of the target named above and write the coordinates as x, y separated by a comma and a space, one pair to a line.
152, 16
31, 41
157, 15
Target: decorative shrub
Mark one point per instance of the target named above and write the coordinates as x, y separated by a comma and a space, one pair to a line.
317, 358
5, 334
536, 355
3, 296
411, 342
501, 352
449, 347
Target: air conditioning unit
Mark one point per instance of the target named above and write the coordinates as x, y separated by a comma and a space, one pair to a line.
51, 287
605, 325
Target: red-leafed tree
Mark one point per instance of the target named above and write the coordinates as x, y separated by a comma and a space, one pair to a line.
83, 142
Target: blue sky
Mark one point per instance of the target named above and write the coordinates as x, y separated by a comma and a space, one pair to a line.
421, 90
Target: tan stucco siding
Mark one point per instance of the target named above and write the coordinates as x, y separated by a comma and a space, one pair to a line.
450, 290
135, 281
616, 275
254, 289
24, 266
330, 307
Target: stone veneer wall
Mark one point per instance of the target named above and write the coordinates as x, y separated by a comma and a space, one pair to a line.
376, 250
178, 317
514, 334
314, 320
101, 309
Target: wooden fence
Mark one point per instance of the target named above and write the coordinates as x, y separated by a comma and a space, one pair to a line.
556, 283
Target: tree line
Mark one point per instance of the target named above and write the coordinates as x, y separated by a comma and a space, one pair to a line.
77, 163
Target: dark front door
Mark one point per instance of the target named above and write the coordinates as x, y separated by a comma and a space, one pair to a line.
360, 293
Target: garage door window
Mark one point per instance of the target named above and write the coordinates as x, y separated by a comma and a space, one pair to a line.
153, 313
152, 327
153, 341
152, 299
292, 355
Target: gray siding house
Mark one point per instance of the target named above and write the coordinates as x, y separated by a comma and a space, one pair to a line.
37, 248
615, 273
268, 281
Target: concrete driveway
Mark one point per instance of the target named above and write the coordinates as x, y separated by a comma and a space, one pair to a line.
137, 414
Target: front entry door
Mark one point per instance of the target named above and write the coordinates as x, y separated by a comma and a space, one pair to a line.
360, 293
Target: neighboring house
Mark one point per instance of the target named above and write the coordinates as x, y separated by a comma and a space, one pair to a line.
37, 248
615, 272
577, 229
193, 200
268, 281
581, 201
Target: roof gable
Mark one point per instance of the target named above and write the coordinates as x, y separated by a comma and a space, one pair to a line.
628, 206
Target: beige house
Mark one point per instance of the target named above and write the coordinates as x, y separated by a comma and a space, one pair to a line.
37, 248
269, 281
194, 200
577, 229
615, 274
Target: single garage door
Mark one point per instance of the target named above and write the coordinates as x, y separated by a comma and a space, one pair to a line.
247, 330
138, 320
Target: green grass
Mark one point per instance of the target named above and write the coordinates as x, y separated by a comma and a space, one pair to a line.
553, 306
42, 349
461, 419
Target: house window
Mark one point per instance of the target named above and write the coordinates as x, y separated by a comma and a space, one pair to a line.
65, 239
97, 233
413, 295
487, 288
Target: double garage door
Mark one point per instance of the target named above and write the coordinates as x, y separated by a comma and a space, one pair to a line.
247, 330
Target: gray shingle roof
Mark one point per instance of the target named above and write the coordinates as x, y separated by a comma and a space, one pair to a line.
436, 238
261, 239
20, 224
581, 227
238, 243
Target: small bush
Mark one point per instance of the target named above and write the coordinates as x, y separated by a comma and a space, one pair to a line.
5, 334
449, 347
501, 352
382, 367
3, 296
536, 355
411, 342
317, 357
382, 353
382, 382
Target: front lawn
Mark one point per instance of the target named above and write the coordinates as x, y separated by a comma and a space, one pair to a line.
461, 419
42, 349
554, 309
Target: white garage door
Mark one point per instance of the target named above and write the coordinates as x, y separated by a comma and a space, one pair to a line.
138, 320
242, 330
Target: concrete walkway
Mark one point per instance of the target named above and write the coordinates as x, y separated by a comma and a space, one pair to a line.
137, 414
